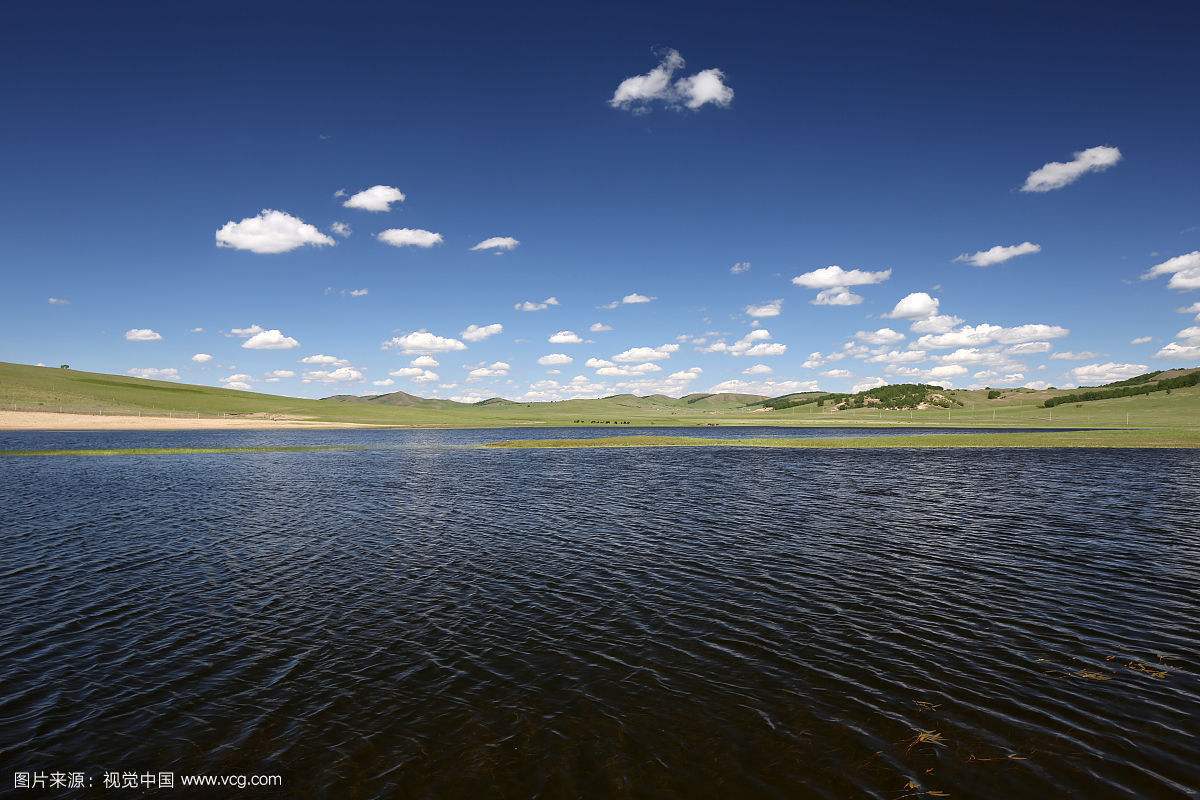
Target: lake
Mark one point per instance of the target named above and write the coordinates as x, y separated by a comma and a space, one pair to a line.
426, 619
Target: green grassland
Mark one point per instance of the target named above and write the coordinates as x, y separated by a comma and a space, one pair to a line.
51, 389
1131, 438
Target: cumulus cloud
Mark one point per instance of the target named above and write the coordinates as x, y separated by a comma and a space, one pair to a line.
270, 340
155, 373
240, 381
757, 369
246, 333
497, 244
1029, 348
1142, 340
339, 375
834, 276
342, 229
1179, 351
611, 370
377, 198
1184, 271
494, 370
837, 373
754, 344
384, 382
770, 388
684, 375
533, 305
359, 292
279, 374
636, 355
635, 298
202, 358
938, 323
984, 333
324, 360
1067, 355
771, 308
423, 342
565, 337
477, 333
740, 268
142, 335
868, 383
879, 336
415, 374
600, 327
1094, 374
998, 254
918, 305
555, 360
1194, 308
409, 237
58, 301
1057, 174
837, 296
425, 362
270, 232
896, 357
694, 91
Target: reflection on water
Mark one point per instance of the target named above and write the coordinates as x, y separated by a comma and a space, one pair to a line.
439, 621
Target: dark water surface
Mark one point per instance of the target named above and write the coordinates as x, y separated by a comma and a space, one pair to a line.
435, 620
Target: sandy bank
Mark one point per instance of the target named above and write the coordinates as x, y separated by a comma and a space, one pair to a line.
50, 421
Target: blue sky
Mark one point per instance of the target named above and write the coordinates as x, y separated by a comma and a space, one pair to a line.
883, 141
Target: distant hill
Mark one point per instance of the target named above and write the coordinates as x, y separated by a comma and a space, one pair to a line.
389, 399
722, 399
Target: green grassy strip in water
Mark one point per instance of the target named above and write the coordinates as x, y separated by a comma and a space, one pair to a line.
1170, 438
180, 451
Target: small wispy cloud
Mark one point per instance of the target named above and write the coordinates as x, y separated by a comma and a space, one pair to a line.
1057, 174
998, 254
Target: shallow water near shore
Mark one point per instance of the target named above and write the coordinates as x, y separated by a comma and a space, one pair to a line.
437, 620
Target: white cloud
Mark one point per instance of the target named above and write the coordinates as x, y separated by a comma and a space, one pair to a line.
142, 335
477, 333
868, 383
614, 371
494, 370
239, 381
555, 360
917, 305
1029, 348
270, 232
202, 358
1067, 355
359, 292
998, 254
1037, 386
565, 337
415, 374
469, 399
770, 388
635, 355
377, 198
837, 373
1057, 174
197, 330
155, 373
1184, 271
984, 333
339, 375
531, 305
58, 301
384, 382
1142, 340
279, 374
409, 237
757, 369
425, 362
880, 336
1178, 351
684, 375
597, 363
834, 276
897, 357
342, 229
740, 267
1093, 374
947, 371
939, 323
695, 91
1189, 335
600, 327
270, 340
497, 243
423, 342
754, 344
323, 359
1194, 308
837, 296
246, 333
635, 298
771, 308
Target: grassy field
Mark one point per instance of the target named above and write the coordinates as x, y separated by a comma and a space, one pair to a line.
50, 389
1136, 438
